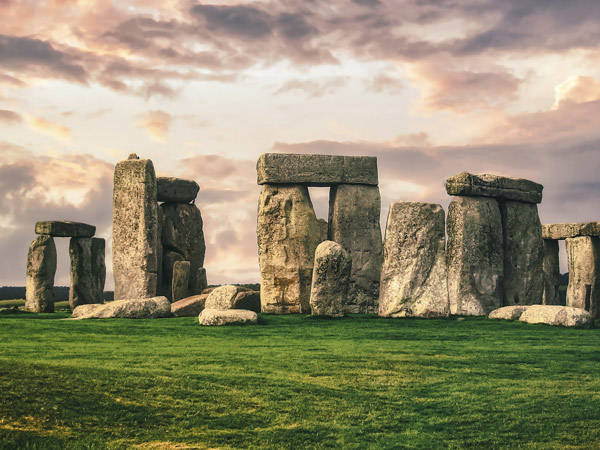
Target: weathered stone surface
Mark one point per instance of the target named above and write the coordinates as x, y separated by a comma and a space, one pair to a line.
330, 280
569, 230
557, 315
354, 223
583, 290
176, 190
189, 307
41, 268
323, 229
508, 312
288, 234
64, 228
486, 185
145, 308
88, 271
181, 277
475, 256
135, 230
224, 317
247, 300
233, 297
316, 170
551, 269
169, 260
414, 277
523, 254
201, 282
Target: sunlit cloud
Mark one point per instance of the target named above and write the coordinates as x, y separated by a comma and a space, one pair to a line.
45, 126
577, 89
157, 123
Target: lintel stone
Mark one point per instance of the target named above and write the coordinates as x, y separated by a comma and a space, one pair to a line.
486, 185
558, 231
176, 190
64, 228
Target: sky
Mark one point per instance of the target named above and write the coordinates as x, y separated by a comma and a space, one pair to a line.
429, 87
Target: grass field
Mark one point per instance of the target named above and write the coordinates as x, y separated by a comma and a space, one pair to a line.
296, 382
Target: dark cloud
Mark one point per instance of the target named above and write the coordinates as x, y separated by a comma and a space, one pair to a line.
10, 117
236, 20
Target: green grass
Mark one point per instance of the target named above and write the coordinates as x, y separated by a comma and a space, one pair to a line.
296, 382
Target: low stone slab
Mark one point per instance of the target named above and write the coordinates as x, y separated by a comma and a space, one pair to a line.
565, 316
64, 228
146, 308
486, 185
316, 170
189, 307
508, 312
233, 297
176, 190
224, 317
559, 231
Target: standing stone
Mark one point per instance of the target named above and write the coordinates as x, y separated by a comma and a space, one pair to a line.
330, 280
523, 254
288, 234
413, 276
475, 256
181, 276
584, 274
135, 229
551, 273
201, 281
169, 260
324, 228
88, 271
41, 268
354, 223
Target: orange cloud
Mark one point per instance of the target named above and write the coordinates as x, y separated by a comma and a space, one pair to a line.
44, 126
157, 123
576, 89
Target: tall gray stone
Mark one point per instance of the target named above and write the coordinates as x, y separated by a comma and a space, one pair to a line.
330, 280
168, 262
41, 268
201, 281
584, 274
354, 223
135, 229
181, 277
523, 254
288, 234
88, 271
413, 276
551, 270
475, 256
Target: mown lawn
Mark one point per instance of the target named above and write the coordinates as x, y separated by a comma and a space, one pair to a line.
296, 382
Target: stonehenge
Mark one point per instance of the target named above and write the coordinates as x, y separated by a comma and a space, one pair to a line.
330, 280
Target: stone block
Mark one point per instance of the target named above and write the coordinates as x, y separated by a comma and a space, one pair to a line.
557, 315
64, 228
41, 268
212, 317
330, 280
88, 271
583, 290
143, 308
181, 277
517, 189
189, 307
176, 190
568, 230
508, 312
551, 269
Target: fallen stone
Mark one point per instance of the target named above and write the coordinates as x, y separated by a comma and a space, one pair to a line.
41, 268
316, 170
330, 280
176, 190
568, 230
551, 269
414, 277
88, 271
189, 307
224, 297
518, 189
508, 312
145, 308
181, 276
247, 300
583, 290
224, 317
64, 228
557, 315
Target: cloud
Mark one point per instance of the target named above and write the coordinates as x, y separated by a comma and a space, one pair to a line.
10, 117
312, 88
578, 89
157, 123
45, 126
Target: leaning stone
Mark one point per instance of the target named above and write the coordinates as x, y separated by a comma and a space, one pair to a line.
475, 256
523, 254
41, 268
551, 269
316, 170
518, 189
413, 277
247, 300
508, 312
557, 315
354, 223
330, 280
64, 228
135, 230
583, 290
224, 297
569, 230
88, 271
189, 307
288, 234
181, 276
225, 317
145, 308
176, 190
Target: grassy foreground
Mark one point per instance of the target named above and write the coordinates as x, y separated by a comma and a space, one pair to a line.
296, 382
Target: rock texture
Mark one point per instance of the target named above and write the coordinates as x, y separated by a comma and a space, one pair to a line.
64, 228
414, 276
41, 268
323, 229
135, 230
475, 256
200, 283
146, 308
288, 234
583, 290
189, 307
247, 300
233, 297
88, 271
176, 190
330, 280
523, 253
508, 312
181, 276
517, 189
354, 223
551, 269
316, 170
557, 315
569, 230
224, 317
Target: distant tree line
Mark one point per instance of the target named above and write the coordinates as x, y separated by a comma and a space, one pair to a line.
61, 293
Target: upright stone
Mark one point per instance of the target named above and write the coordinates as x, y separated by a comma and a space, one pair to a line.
41, 268
135, 229
288, 234
201, 281
413, 276
330, 280
354, 215
551, 273
181, 276
523, 254
475, 256
88, 271
584, 274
